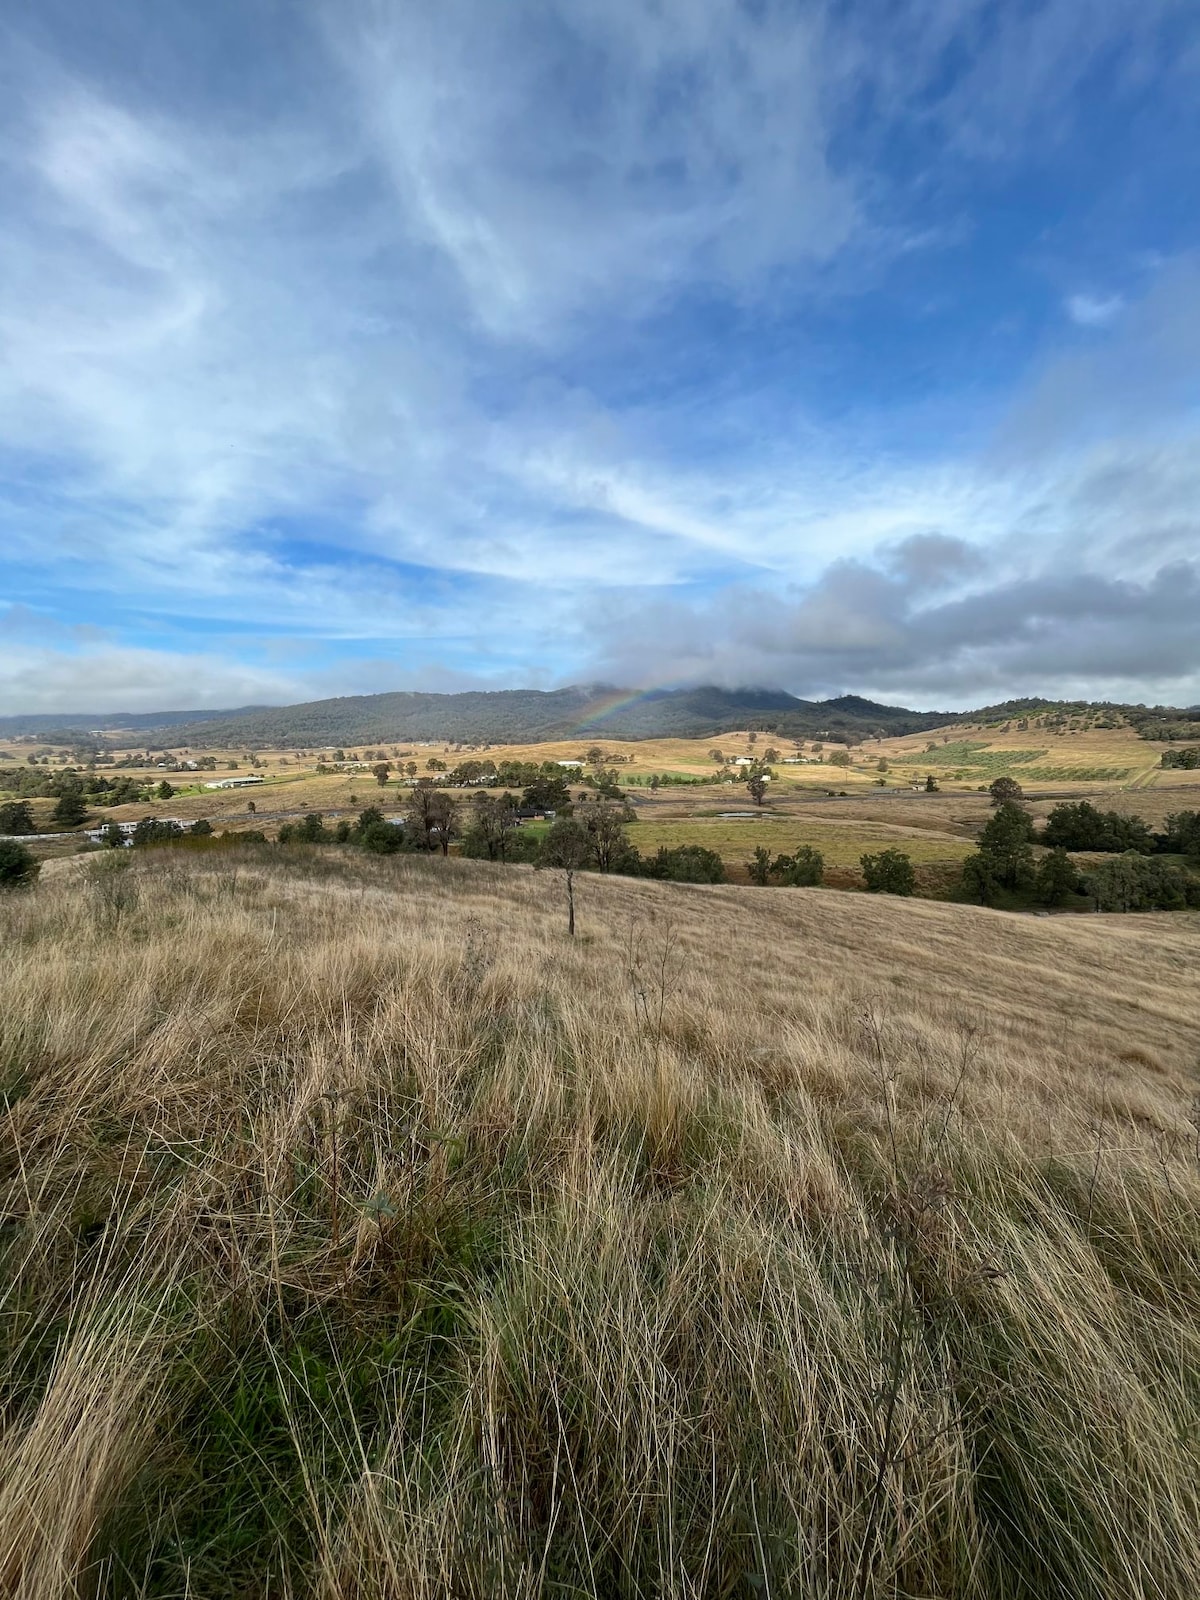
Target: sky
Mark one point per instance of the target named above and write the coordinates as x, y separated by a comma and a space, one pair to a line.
357, 345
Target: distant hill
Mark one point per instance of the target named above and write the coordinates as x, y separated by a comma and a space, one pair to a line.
527, 716
62, 727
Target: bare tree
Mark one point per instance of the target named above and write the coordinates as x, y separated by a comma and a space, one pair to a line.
444, 825
432, 817
568, 847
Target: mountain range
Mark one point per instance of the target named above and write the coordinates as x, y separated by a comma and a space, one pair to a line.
505, 716
528, 716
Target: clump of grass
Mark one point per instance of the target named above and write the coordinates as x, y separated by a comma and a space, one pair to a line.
365, 1237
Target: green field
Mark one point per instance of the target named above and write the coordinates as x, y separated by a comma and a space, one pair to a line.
1076, 774
970, 756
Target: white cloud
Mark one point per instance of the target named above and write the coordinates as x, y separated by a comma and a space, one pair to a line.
352, 367
1093, 311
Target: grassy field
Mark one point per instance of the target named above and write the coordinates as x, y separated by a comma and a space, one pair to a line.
843, 811
364, 1238
840, 842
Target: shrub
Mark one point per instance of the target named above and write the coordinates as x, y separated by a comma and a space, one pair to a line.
155, 830
803, 870
16, 816
889, 872
685, 863
19, 866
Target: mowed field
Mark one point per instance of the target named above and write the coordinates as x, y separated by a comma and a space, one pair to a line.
842, 811
364, 1237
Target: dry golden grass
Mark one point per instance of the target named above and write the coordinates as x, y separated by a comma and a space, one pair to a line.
365, 1237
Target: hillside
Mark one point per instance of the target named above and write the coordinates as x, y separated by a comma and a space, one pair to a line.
366, 1237
507, 716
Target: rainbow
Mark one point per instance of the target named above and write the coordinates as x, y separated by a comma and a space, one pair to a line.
604, 705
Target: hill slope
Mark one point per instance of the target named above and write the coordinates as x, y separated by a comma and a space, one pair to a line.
365, 1237
526, 716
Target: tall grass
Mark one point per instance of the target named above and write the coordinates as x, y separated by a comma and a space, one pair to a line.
363, 1236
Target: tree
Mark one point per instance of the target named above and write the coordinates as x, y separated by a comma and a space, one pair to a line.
606, 822
16, 816
202, 828
421, 815
111, 836
158, 830
71, 809
1131, 882
494, 816
1182, 836
435, 764
165, 791
979, 879
567, 847
889, 872
444, 824
548, 793
931, 784
803, 870
1004, 789
1078, 825
840, 758
251, 807
686, 863
1057, 878
756, 784
717, 756
19, 866
594, 757
381, 771
759, 866
1008, 842
882, 766
770, 754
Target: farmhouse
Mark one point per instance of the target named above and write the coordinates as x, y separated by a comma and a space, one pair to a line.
250, 779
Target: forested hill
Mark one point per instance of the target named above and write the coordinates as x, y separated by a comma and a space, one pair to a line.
525, 716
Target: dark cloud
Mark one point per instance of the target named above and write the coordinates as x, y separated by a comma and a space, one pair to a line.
876, 630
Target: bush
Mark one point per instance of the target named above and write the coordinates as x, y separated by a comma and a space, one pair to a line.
19, 866
685, 863
16, 816
889, 872
803, 870
154, 830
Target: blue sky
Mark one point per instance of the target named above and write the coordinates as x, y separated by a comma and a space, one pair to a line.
368, 345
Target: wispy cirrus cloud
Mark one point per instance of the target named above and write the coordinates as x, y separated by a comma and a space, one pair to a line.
421, 342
